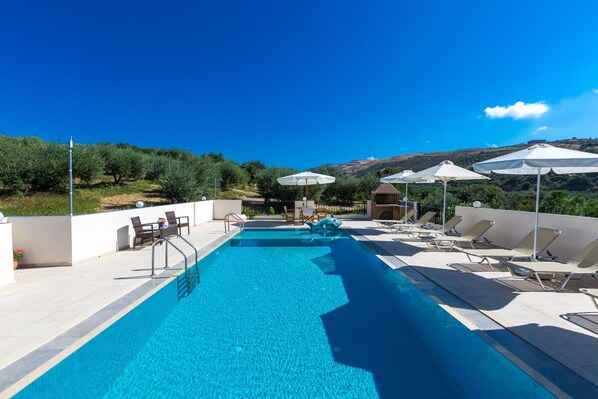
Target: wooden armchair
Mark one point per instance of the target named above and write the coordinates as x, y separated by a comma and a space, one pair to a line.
142, 232
307, 214
289, 215
172, 220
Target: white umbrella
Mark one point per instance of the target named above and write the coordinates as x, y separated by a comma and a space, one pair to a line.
401, 177
538, 160
445, 171
305, 179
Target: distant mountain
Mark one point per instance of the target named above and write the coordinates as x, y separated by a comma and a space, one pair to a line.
465, 158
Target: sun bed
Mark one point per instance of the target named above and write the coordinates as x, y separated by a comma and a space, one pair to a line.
420, 223
524, 249
474, 234
592, 293
449, 227
389, 223
584, 263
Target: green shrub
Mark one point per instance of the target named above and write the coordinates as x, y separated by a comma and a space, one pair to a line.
123, 163
179, 184
88, 164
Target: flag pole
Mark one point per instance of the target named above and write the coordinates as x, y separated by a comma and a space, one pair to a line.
71, 176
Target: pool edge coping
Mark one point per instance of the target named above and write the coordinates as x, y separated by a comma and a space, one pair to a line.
148, 288
525, 367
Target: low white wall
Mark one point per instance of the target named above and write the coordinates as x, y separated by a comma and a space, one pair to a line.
64, 240
101, 233
204, 211
7, 274
45, 240
512, 226
223, 207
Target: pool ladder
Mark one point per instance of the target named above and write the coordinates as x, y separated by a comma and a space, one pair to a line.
191, 277
237, 218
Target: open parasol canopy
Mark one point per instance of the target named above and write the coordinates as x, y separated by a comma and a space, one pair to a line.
401, 177
538, 160
445, 171
305, 179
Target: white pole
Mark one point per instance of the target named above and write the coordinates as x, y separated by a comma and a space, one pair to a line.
71, 176
406, 198
535, 255
444, 207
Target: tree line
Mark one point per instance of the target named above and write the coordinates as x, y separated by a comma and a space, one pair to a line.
30, 164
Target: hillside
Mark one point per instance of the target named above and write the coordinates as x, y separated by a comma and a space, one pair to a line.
466, 158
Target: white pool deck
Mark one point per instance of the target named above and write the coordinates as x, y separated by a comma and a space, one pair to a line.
44, 303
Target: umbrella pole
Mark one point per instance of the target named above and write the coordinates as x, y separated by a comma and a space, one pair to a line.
406, 197
444, 207
306, 189
535, 255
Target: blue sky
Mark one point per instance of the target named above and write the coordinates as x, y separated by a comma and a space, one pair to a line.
300, 83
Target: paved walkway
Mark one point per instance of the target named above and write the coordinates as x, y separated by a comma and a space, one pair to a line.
541, 318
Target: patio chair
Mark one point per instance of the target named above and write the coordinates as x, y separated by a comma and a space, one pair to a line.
420, 223
582, 264
307, 214
143, 231
289, 215
174, 220
524, 249
592, 293
474, 234
449, 228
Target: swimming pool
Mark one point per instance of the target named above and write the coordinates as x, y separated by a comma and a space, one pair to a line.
281, 313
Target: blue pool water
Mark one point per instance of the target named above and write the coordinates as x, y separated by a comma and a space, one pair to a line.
283, 314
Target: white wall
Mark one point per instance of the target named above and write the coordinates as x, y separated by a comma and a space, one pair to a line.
204, 211
62, 240
512, 226
45, 240
7, 274
223, 207
101, 233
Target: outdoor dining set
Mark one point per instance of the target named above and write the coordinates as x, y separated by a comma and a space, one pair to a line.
162, 228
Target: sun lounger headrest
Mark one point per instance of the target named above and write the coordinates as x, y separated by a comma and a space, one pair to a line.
588, 257
545, 237
478, 229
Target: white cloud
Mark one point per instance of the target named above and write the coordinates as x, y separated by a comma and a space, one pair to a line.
537, 130
595, 91
371, 158
519, 110
569, 117
427, 141
492, 145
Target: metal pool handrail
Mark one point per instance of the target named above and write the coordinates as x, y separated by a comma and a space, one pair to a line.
168, 242
236, 217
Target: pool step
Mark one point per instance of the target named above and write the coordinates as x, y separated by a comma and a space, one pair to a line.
187, 282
